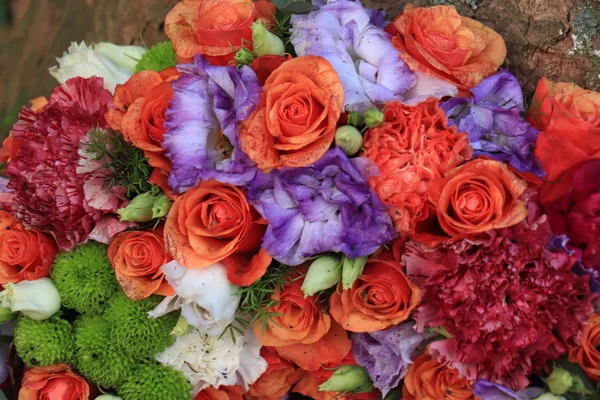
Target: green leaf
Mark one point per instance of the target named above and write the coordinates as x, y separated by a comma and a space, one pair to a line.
294, 6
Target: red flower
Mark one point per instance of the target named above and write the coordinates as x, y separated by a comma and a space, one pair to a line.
265, 65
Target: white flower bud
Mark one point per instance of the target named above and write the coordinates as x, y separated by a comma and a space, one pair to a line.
37, 299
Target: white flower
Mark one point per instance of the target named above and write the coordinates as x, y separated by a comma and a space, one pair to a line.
36, 299
204, 295
207, 360
115, 64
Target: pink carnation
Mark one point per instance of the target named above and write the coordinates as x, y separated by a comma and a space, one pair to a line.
509, 303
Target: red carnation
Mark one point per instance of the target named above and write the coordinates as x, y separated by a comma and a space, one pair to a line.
49, 194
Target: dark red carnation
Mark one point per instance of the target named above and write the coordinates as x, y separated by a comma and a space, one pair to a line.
263, 66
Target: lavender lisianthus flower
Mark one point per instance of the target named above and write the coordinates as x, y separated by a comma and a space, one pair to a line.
325, 207
486, 390
201, 137
387, 354
492, 120
369, 66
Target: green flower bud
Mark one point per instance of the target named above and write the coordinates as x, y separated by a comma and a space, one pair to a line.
161, 207
108, 397
139, 209
549, 396
324, 272
6, 315
348, 378
560, 381
351, 270
579, 386
244, 57
373, 118
355, 119
265, 42
182, 327
349, 139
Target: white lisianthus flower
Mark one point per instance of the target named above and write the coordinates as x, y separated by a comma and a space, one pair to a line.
204, 295
213, 360
115, 64
36, 299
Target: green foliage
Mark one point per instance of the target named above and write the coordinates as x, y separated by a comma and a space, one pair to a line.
84, 278
158, 58
282, 29
98, 357
155, 382
42, 343
134, 331
128, 164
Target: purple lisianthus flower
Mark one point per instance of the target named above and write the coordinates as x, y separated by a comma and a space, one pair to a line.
486, 390
369, 66
492, 120
201, 137
325, 207
387, 354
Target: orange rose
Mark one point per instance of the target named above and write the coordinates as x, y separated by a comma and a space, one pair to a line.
428, 379
277, 379
476, 197
213, 222
24, 254
569, 118
301, 320
295, 121
214, 28
55, 382
438, 41
222, 393
137, 257
587, 354
381, 297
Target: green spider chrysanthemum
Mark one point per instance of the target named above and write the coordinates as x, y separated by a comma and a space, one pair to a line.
139, 335
155, 382
84, 278
42, 343
97, 356
158, 58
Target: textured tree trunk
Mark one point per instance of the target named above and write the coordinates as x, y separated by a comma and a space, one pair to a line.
556, 38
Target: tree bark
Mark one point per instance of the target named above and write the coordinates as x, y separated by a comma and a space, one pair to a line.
556, 38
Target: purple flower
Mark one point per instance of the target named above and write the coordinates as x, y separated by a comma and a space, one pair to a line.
369, 66
493, 122
486, 390
387, 354
201, 137
325, 207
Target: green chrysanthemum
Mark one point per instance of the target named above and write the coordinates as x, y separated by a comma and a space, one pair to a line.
98, 358
42, 343
158, 58
155, 382
84, 278
139, 335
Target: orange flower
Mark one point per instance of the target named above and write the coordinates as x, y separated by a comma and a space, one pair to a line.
214, 28
569, 118
56, 382
381, 297
428, 379
277, 379
438, 41
295, 121
476, 197
24, 254
587, 354
222, 393
137, 257
213, 222
301, 320
413, 147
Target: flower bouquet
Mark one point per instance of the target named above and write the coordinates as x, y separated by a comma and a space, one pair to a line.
297, 198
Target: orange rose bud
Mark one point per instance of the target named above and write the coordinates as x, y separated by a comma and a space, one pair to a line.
295, 121
24, 254
56, 382
222, 393
587, 354
438, 41
137, 257
277, 379
428, 379
381, 297
213, 222
216, 29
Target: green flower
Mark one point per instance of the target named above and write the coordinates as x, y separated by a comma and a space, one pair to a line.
98, 357
84, 278
155, 382
42, 343
158, 58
